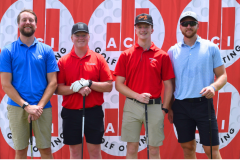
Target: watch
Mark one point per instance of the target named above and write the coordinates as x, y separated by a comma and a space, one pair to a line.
165, 110
90, 83
25, 104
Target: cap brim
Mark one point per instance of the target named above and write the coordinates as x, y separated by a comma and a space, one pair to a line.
80, 31
143, 22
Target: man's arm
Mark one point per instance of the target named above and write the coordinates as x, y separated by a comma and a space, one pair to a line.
221, 80
168, 91
170, 112
6, 79
126, 91
51, 87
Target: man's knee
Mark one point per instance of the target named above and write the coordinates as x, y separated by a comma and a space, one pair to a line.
215, 151
189, 148
132, 148
21, 153
154, 151
46, 152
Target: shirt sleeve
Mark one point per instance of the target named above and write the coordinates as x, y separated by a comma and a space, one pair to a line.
61, 73
217, 59
167, 69
5, 61
105, 73
51, 62
120, 69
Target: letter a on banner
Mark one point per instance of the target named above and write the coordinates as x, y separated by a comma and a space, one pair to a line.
111, 43
110, 128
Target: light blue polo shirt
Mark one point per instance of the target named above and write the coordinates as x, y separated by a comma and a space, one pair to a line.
29, 67
193, 67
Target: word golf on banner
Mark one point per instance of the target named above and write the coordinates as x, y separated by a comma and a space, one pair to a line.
111, 27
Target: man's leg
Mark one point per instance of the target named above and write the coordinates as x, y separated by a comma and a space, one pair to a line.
94, 151
21, 154
132, 150
75, 151
215, 152
46, 153
154, 152
189, 149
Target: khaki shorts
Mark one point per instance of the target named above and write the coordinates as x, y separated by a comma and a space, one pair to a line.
134, 116
20, 128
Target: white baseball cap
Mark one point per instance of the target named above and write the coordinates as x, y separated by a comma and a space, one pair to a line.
188, 14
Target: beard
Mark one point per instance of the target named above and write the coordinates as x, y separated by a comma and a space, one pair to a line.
27, 34
194, 32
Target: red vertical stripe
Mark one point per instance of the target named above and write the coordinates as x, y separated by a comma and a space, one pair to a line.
111, 122
127, 24
113, 37
52, 28
39, 8
224, 106
139, 11
54, 103
215, 7
228, 28
203, 28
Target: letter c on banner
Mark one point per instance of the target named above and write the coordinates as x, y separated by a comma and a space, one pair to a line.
217, 38
125, 44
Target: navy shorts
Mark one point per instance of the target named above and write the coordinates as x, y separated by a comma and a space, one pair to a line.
72, 125
189, 114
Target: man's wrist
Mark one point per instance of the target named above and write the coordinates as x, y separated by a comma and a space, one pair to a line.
213, 87
25, 104
90, 83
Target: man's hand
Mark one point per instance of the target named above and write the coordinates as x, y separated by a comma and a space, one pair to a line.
208, 92
170, 115
144, 97
34, 110
85, 91
32, 117
77, 85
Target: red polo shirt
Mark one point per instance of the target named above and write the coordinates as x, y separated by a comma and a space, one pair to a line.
145, 70
91, 66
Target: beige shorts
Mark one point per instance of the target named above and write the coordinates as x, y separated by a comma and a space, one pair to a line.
134, 116
20, 128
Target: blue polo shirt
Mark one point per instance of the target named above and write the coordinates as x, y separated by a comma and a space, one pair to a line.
29, 67
193, 67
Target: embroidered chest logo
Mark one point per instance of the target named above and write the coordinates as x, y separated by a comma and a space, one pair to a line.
40, 57
152, 60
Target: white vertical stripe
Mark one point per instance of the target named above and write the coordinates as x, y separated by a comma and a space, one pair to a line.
223, 124
228, 42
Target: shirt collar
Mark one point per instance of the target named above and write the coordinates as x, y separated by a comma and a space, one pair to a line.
76, 56
21, 43
153, 47
181, 44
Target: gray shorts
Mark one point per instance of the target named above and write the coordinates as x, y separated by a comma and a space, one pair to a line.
20, 128
134, 117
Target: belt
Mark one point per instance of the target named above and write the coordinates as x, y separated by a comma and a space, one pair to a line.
151, 101
199, 99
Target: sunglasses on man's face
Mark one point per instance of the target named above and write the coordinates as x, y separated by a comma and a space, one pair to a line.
186, 23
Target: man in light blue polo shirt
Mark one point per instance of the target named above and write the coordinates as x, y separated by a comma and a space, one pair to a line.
28, 76
195, 62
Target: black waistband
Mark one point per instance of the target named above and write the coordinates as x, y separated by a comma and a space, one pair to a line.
151, 101
199, 99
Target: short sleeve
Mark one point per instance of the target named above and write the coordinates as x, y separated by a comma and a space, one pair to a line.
51, 62
120, 69
61, 74
167, 69
5, 61
217, 59
105, 73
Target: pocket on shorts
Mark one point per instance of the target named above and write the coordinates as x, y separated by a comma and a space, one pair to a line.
64, 113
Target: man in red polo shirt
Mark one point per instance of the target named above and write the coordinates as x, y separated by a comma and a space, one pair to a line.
83, 73
144, 66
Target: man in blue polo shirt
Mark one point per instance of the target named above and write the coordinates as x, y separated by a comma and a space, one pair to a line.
28, 76
195, 61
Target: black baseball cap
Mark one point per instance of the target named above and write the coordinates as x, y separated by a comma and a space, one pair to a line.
144, 18
80, 26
